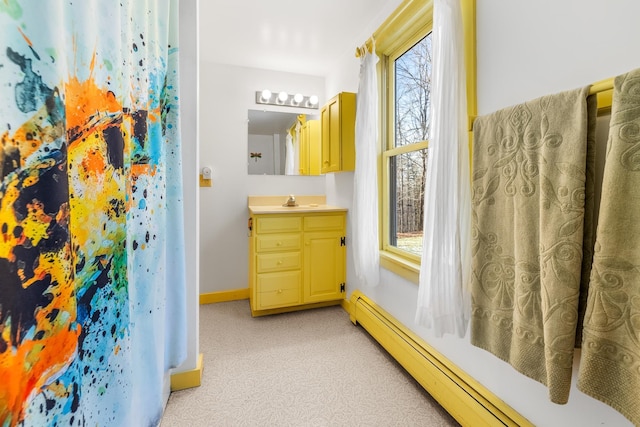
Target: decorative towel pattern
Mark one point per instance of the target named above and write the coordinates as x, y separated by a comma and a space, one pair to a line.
528, 199
610, 360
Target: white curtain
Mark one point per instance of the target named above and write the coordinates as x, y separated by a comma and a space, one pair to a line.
443, 297
364, 213
289, 156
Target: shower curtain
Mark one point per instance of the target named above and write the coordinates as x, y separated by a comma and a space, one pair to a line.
91, 239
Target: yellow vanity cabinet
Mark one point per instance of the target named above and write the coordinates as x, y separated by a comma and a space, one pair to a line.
310, 148
338, 121
296, 261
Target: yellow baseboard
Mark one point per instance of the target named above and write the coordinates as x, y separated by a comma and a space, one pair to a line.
188, 379
224, 296
347, 306
470, 403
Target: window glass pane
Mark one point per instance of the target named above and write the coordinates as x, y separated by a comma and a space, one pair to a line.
412, 93
407, 174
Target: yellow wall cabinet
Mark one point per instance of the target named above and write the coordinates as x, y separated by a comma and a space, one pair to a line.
338, 120
310, 148
296, 261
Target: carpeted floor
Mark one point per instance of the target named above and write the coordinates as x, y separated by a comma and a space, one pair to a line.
309, 368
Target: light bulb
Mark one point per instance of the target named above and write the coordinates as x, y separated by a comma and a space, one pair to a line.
266, 95
298, 98
282, 96
313, 100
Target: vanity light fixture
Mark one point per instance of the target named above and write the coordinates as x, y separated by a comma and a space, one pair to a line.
286, 100
265, 95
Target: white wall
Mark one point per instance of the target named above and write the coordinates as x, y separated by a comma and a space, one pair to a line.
227, 93
524, 50
188, 16
529, 49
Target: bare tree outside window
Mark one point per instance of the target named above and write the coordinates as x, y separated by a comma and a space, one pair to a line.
407, 172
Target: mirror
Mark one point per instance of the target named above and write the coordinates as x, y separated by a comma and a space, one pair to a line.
267, 142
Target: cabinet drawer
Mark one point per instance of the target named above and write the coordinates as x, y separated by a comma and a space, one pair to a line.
274, 282
278, 262
277, 242
279, 224
324, 222
279, 298
278, 289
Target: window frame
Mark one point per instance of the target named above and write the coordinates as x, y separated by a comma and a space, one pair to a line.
389, 149
407, 25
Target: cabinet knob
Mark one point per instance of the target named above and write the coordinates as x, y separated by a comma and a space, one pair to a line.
279, 262
279, 291
279, 244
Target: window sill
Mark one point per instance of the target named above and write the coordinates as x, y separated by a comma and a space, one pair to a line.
401, 266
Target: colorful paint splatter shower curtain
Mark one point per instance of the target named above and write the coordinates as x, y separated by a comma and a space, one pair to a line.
92, 298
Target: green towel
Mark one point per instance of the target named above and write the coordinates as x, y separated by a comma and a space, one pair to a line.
610, 359
528, 211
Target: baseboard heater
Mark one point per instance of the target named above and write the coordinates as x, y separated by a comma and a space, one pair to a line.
470, 403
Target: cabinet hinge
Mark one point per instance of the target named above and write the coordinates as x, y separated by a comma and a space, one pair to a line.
343, 241
342, 287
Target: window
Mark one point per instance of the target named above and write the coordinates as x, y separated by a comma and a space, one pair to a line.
403, 43
406, 149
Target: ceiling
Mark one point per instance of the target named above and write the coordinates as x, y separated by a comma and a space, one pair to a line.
302, 36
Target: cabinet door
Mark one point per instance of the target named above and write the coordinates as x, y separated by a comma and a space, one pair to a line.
314, 147
310, 148
304, 149
324, 266
330, 117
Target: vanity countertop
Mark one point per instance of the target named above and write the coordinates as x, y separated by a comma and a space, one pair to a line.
304, 204
279, 209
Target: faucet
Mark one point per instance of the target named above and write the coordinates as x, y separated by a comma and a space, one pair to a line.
291, 201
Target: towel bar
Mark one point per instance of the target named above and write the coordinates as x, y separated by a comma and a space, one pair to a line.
603, 89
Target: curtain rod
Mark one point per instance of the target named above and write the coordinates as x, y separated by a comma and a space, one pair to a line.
367, 45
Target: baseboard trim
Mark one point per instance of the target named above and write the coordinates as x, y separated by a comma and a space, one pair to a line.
224, 296
347, 306
470, 403
188, 379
